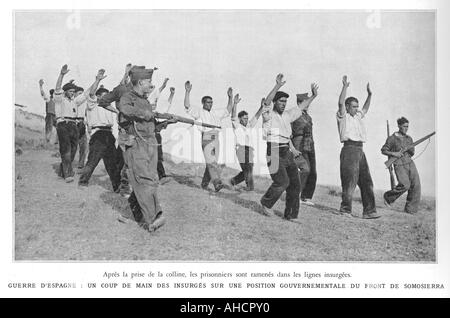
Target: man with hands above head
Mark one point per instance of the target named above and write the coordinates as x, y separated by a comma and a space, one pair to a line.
66, 105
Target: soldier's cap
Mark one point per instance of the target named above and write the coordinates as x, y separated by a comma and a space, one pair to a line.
140, 74
136, 67
101, 90
302, 97
279, 95
69, 85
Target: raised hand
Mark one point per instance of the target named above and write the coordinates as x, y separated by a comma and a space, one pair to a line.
188, 86
368, 89
279, 80
64, 69
100, 75
230, 92
236, 99
128, 68
314, 88
345, 82
41, 82
172, 90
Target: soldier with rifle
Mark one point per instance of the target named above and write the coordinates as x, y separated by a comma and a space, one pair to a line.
399, 147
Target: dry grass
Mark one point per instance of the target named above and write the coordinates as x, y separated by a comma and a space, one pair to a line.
58, 221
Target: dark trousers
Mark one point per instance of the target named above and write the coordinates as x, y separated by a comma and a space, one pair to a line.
245, 157
160, 166
408, 181
308, 177
82, 144
306, 163
210, 149
50, 121
355, 171
102, 146
68, 141
285, 177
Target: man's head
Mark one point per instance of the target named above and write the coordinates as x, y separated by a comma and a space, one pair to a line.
52, 91
101, 92
243, 118
207, 102
352, 105
301, 98
78, 91
403, 125
69, 89
141, 79
279, 101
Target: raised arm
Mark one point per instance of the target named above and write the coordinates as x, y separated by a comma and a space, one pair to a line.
125, 76
164, 84
188, 87
230, 100
41, 87
170, 99
341, 103
236, 101
366, 106
307, 102
62, 73
278, 85
254, 120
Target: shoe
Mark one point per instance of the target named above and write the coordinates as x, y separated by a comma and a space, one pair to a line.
123, 219
266, 211
307, 202
82, 186
346, 214
160, 221
411, 213
387, 204
69, 179
373, 215
164, 180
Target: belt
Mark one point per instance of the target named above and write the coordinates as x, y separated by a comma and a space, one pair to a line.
66, 120
102, 127
277, 145
353, 143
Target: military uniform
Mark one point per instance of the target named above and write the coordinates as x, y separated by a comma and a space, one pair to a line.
406, 172
141, 155
302, 140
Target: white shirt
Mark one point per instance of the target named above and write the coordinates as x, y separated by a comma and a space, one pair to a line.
65, 107
351, 127
98, 116
276, 127
213, 117
242, 133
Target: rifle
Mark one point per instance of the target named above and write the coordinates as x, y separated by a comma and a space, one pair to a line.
389, 162
390, 168
184, 120
20, 105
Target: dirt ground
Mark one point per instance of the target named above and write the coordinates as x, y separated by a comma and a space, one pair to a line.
59, 221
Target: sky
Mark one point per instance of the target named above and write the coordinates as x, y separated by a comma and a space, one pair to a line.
394, 51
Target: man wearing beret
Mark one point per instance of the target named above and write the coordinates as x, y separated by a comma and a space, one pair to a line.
102, 141
66, 123
105, 101
141, 154
302, 141
210, 136
280, 160
405, 169
354, 168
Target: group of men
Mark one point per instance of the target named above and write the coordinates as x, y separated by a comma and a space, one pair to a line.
135, 167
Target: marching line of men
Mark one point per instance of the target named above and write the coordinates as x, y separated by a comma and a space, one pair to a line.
135, 167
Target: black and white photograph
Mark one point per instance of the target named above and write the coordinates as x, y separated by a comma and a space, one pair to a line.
226, 137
